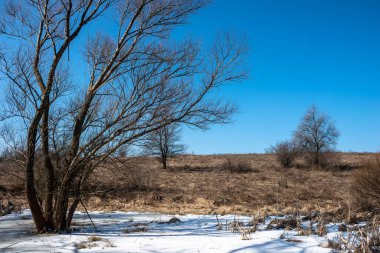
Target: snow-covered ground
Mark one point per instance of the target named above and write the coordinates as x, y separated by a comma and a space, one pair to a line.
151, 232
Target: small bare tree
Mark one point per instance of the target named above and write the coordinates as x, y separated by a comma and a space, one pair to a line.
316, 134
66, 127
164, 143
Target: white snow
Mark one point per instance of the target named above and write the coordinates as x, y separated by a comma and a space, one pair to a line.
195, 233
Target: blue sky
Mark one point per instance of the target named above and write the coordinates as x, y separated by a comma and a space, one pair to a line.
302, 53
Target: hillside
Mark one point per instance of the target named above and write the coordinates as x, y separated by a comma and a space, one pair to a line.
205, 184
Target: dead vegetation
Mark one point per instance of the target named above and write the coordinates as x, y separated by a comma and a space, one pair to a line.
201, 184
359, 239
237, 166
365, 187
136, 228
94, 241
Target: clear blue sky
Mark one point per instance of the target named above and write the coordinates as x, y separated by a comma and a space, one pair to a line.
324, 52
302, 52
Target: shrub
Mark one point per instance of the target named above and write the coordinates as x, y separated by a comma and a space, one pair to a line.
121, 178
140, 179
286, 152
327, 160
236, 166
365, 186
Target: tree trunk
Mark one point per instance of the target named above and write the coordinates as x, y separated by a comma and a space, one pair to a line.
61, 206
48, 166
164, 162
75, 203
73, 207
316, 158
31, 195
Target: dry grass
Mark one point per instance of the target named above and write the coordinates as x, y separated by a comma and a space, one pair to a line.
360, 239
136, 228
94, 241
199, 184
365, 187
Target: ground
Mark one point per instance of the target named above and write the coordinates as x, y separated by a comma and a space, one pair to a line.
152, 232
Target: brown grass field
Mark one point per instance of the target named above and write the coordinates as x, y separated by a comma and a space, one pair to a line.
204, 184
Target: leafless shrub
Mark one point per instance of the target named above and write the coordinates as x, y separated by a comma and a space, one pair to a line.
141, 179
286, 152
365, 187
290, 222
237, 166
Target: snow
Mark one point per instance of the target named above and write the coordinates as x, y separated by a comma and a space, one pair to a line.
150, 232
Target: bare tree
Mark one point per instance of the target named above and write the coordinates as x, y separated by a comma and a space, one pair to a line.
67, 127
164, 143
316, 134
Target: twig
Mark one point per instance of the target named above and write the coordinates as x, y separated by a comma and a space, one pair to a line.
88, 214
10, 245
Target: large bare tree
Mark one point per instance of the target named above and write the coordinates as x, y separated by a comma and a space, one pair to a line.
138, 81
316, 134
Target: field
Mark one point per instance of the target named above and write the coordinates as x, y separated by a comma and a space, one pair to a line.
206, 184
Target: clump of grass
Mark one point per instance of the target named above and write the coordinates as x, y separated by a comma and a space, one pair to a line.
136, 228
94, 241
94, 238
85, 245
